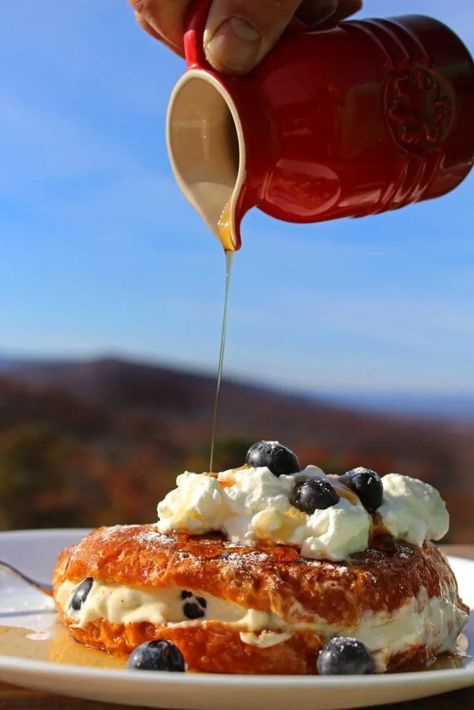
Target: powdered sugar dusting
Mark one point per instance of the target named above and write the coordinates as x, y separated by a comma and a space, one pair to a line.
152, 536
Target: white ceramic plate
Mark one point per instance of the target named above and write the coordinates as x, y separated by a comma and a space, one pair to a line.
35, 553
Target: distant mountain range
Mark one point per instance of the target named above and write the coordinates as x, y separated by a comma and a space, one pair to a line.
455, 407
134, 426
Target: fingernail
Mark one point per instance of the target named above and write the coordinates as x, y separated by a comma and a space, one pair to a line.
314, 13
234, 46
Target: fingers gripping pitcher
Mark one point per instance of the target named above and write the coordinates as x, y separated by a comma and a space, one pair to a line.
352, 120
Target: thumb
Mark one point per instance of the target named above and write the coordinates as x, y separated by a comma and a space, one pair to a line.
239, 33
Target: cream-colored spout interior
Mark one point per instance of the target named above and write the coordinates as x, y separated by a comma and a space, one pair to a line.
207, 151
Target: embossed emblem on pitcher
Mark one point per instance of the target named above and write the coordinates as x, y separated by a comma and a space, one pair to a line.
419, 109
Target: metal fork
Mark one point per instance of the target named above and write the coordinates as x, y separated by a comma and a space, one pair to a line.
44, 588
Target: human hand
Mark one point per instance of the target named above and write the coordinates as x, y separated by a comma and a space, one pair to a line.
239, 33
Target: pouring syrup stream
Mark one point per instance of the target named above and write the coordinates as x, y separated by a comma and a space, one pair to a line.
225, 234
229, 259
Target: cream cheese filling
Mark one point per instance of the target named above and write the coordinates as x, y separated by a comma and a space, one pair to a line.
433, 622
125, 605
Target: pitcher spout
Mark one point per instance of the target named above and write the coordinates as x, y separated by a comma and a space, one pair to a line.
208, 152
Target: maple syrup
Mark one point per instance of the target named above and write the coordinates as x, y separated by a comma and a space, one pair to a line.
225, 235
224, 227
229, 258
378, 532
343, 491
56, 646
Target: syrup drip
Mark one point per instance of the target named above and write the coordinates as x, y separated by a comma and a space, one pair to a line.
378, 531
229, 258
224, 227
225, 235
343, 491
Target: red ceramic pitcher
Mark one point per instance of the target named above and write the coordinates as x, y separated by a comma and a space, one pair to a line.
363, 117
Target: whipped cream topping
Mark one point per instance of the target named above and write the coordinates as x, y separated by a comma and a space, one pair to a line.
433, 622
249, 505
412, 510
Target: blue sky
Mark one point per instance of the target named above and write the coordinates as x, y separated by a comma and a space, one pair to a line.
100, 253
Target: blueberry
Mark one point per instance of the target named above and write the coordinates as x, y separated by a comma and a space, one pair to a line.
195, 607
81, 593
368, 486
313, 494
157, 656
192, 610
274, 456
345, 656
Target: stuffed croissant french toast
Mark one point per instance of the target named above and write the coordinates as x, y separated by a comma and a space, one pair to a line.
270, 569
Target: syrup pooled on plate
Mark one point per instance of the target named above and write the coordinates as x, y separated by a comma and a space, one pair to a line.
56, 646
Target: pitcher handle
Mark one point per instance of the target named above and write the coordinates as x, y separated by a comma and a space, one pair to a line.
195, 25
